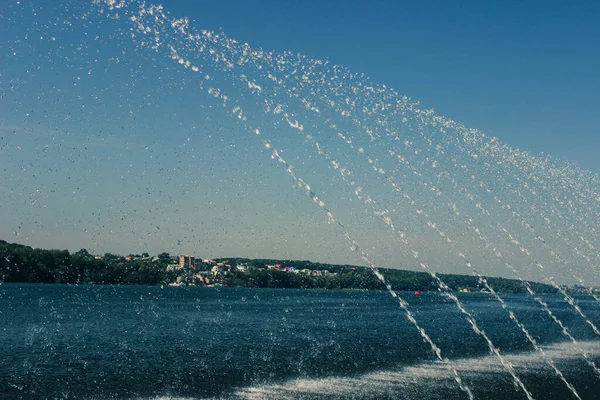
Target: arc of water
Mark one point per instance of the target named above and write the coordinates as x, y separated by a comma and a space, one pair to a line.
486, 284
310, 106
531, 165
443, 286
530, 291
446, 290
550, 225
538, 299
569, 299
558, 372
440, 149
553, 253
382, 104
295, 124
492, 150
471, 135
301, 183
346, 113
227, 43
354, 246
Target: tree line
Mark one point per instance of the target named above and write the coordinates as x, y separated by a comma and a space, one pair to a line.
354, 277
19, 263
24, 264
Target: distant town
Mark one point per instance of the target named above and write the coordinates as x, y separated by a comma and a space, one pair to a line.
23, 264
215, 272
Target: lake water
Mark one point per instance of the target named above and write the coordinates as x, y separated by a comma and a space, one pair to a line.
126, 342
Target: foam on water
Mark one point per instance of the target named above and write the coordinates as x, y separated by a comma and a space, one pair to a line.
414, 381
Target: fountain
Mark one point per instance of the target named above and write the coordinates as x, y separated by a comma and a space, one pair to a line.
392, 183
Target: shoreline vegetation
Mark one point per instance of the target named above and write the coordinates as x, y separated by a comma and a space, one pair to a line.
23, 264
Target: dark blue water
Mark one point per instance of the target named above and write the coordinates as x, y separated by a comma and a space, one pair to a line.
125, 342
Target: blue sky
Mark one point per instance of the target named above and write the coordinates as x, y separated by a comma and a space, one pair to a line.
524, 71
112, 146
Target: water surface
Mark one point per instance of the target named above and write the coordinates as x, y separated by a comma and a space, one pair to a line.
127, 342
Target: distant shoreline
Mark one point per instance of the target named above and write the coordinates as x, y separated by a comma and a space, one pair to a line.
162, 286
23, 264
92, 284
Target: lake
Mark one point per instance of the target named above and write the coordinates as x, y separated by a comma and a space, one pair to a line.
151, 342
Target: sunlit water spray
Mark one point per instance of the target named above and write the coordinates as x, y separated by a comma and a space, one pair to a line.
296, 125
340, 101
275, 154
366, 199
431, 186
432, 225
383, 118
